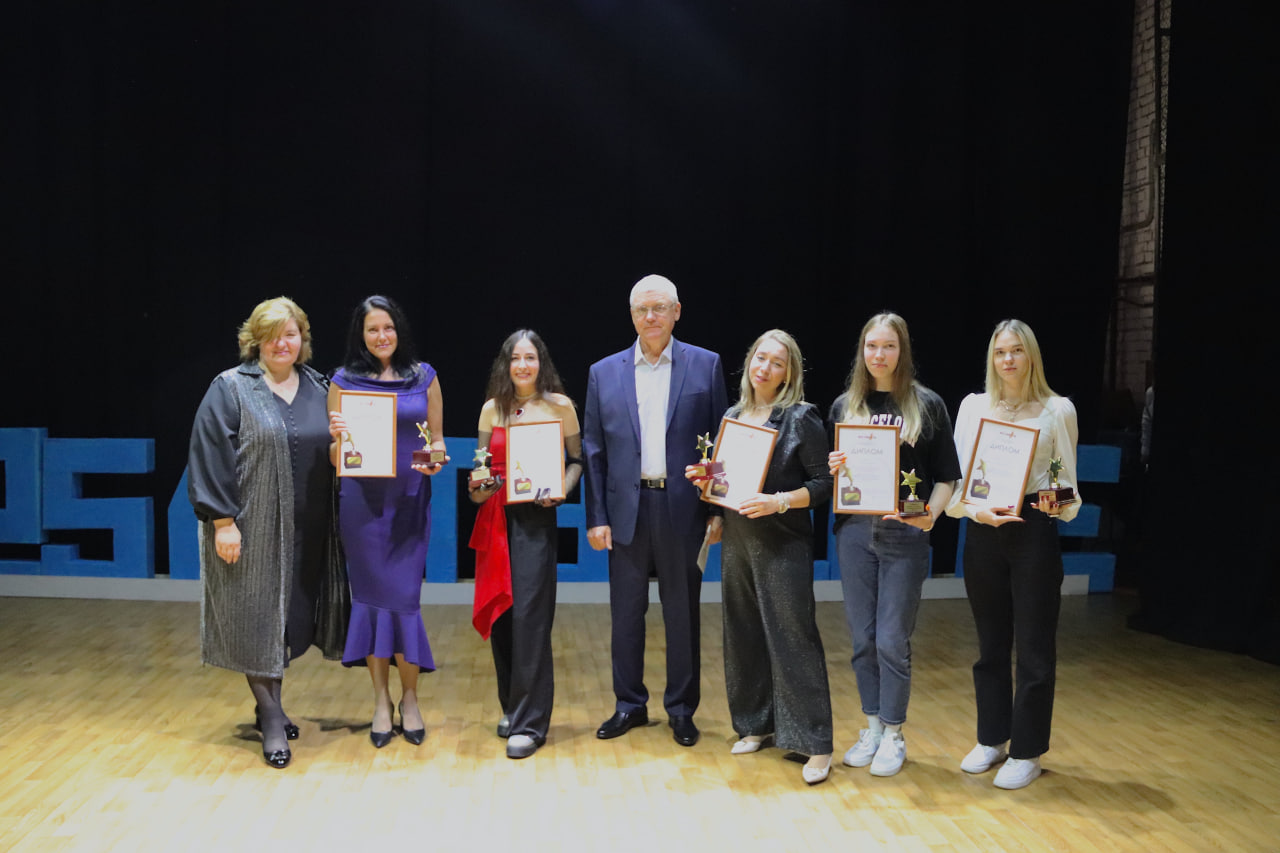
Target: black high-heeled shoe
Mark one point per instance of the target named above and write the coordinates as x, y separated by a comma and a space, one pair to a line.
290, 730
414, 736
278, 758
381, 739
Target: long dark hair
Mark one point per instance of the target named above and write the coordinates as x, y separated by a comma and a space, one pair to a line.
502, 390
359, 360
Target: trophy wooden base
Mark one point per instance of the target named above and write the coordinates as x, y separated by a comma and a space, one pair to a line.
480, 476
353, 460
706, 469
1060, 496
523, 485
912, 509
428, 457
851, 497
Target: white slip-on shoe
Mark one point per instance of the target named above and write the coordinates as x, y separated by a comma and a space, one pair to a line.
814, 775
750, 744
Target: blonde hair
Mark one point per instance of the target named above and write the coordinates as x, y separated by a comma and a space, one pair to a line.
791, 391
903, 393
1036, 387
265, 322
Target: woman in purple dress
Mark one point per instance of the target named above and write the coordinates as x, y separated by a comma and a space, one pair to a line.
385, 521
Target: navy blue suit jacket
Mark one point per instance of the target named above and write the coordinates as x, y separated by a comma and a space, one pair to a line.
611, 439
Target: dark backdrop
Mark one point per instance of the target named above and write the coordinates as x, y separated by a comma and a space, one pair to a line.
1212, 574
497, 163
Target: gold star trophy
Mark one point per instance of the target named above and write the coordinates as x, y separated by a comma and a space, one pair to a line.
1056, 494
912, 506
427, 456
705, 468
480, 473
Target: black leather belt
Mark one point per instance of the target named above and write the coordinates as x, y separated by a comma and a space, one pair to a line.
653, 484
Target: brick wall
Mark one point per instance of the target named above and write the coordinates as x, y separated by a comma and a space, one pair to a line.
1141, 202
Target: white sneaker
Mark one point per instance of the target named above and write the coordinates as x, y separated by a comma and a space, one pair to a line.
861, 753
1017, 773
890, 755
981, 758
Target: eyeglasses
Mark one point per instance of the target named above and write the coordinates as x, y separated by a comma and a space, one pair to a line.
660, 309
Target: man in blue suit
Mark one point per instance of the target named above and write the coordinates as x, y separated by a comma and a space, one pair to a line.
646, 407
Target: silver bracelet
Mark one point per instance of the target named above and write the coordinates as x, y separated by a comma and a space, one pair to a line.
784, 502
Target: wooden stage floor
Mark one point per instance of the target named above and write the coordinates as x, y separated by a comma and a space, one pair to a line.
116, 738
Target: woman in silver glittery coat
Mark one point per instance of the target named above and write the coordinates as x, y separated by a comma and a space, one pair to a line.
261, 485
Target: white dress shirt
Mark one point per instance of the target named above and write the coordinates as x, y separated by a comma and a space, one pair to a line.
653, 389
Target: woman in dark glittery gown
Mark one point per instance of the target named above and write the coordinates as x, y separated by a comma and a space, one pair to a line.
775, 669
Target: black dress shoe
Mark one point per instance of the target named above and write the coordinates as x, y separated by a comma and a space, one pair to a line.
381, 739
278, 758
622, 722
504, 727
683, 730
414, 736
290, 730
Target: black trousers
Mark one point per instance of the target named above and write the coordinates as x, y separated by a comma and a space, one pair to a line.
1013, 577
521, 638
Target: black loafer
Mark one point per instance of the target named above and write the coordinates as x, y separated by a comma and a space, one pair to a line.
683, 730
621, 723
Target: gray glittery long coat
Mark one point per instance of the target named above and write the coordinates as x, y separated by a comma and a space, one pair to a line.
239, 466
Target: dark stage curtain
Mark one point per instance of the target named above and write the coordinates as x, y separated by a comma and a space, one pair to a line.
504, 163
1212, 577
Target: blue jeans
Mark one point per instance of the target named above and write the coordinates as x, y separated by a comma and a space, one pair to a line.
883, 565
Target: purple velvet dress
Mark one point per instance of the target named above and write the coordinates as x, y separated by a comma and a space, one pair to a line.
385, 524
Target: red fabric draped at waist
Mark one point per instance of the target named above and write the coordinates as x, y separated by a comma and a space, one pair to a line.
489, 541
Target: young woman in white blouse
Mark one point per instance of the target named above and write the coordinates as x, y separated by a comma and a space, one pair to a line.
1013, 565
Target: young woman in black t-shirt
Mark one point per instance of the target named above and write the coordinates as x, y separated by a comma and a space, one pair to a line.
884, 560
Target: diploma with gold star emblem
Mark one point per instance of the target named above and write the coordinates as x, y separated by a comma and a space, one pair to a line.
867, 482
1000, 466
371, 427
